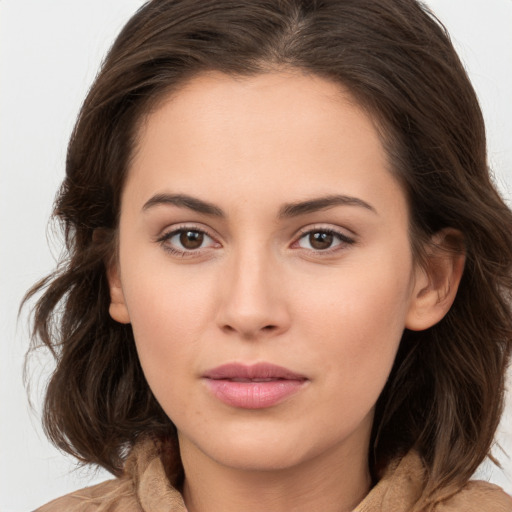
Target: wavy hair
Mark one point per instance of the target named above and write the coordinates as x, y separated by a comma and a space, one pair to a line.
445, 393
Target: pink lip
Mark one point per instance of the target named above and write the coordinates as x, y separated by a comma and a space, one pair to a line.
253, 387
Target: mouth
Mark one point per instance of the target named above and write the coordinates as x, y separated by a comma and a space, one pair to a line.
253, 387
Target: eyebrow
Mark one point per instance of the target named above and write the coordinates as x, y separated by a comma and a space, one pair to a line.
286, 211
184, 201
322, 203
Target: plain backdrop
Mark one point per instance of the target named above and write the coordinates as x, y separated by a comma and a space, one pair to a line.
49, 53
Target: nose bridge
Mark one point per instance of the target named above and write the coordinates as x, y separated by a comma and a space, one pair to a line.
253, 300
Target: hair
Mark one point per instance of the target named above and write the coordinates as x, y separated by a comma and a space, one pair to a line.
444, 396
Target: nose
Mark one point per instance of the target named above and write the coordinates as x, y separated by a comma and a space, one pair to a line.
254, 303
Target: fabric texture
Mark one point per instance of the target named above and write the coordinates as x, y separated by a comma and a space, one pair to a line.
153, 473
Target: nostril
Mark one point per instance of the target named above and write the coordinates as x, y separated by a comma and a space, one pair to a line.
267, 328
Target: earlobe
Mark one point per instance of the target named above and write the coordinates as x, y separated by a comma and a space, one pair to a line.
437, 281
118, 310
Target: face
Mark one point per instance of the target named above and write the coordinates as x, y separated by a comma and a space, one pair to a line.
265, 266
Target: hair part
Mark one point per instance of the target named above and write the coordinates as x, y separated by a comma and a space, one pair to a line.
445, 393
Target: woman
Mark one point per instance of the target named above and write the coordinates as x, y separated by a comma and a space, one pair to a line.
289, 273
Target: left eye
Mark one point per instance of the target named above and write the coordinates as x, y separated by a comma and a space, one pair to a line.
321, 240
188, 240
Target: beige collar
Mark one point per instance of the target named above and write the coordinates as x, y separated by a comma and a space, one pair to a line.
155, 469
153, 475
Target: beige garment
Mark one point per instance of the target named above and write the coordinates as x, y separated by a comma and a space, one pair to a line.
147, 487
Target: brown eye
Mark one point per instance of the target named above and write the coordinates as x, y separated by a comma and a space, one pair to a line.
191, 239
321, 240
187, 241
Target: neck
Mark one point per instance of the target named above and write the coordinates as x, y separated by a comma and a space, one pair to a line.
333, 482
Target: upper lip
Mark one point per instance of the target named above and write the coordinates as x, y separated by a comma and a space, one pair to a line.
252, 372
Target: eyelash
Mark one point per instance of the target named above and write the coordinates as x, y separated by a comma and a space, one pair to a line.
342, 238
164, 239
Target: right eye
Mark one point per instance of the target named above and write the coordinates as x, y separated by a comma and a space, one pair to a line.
185, 241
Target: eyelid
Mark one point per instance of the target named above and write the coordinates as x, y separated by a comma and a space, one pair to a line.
343, 232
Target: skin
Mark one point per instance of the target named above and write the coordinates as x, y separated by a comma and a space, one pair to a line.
256, 289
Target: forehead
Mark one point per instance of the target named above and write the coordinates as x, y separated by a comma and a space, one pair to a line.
213, 104
285, 132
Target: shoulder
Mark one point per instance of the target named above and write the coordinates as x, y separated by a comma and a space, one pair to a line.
113, 495
144, 485
402, 485
477, 496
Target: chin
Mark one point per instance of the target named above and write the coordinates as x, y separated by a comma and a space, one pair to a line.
260, 458
261, 448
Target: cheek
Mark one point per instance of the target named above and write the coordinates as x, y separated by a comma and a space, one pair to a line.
166, 331
169, 310
357, 320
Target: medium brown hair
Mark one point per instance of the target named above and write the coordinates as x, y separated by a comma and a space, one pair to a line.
445, 392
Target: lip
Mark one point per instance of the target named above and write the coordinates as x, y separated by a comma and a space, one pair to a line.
255, 386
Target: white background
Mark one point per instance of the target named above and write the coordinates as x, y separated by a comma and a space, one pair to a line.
49, 53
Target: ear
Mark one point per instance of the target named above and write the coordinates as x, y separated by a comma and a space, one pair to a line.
118, 310
437, 280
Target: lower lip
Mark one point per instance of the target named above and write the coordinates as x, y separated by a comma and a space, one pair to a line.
253, 395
